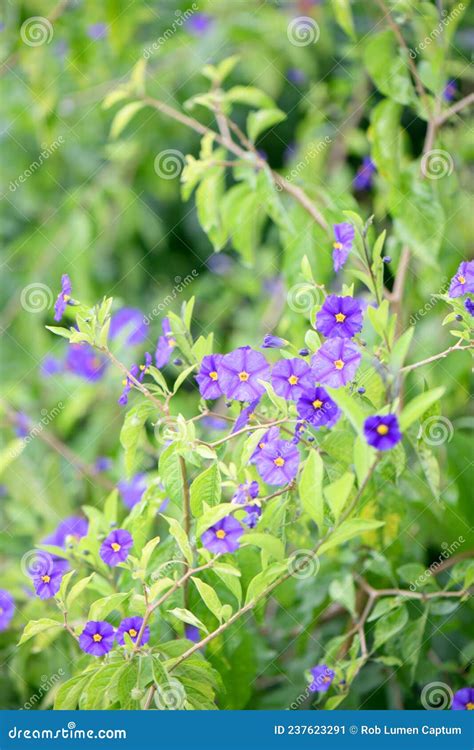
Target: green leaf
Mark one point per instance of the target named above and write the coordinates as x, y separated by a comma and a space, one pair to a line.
258, 122
338, 492
383, 606
387, 69
206, 488
343, 13
389, 625
350, 407
186, 616
209, 597
147, 552
170, 474
34, 627
132, 431
347, 530
103, 607
123, 117
364, 457
179, 534
212, 516
401, 348
417, 406
262, 580
77, 590
384, 134
67, 697
249, 95
310, 488
268, 543
343, 591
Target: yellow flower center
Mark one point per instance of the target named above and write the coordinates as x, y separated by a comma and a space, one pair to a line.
470, 706
124, 382
293, 379
461, 279
96, 363
382, 429
243, 376
340, 317
46, 579
132, 633
213, 375
97, 637
339, 364
66, 297
116, 547
142, 367
261, 445
317, 404
171, 342
337, 245
326, 679
279, 461
220, 534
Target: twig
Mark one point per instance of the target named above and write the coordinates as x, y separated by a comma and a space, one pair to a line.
441, 355
461, 104
131, 377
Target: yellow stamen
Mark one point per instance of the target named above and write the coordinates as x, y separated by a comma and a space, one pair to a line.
326, 679
124, 382
317, 404
46, 579
293, 379
337, 245
339, 364
132, 633
213, 375
97, 637
116, 547
261, 445
382, 429
279, 461
220, 534
243, 376
142, 367
171, 342
461, 279
66, 297
470, 706
340, 317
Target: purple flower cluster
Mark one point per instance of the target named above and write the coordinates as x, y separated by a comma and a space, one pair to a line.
98, 636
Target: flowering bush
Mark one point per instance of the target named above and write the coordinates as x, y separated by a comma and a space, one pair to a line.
273, 480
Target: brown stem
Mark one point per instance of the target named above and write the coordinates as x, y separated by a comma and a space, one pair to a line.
441, 355
460, 105
142, 388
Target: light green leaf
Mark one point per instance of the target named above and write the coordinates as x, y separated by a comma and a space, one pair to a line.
102, 607
417, 406
209, 597
338, 492
123, 117
310, 488
179, 534
206, 488
349, 529
77, 590
186, 616
34, 627
258, 122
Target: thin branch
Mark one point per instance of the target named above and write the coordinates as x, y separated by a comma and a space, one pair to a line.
460, 105
142, 388
441, 355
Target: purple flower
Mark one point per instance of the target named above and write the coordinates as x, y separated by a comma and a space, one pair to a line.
296, 76
224, 536
278, 461
336, 362
244, 416
450, 91
102, 463
245, 492
382, 431
22, 424
199, 23
463, 700
363, 178
165, 346
129, 325
273, 342
208, 376
191, 632
138, 373
47, 579
318, 409
290, 378
272, 434
252, 516
344, 237
132, 489
97, 638
463, 281
82, 360
339, 316
132, 626
72, 528
322, 679
7, 609
51, 366
116, 547
240, 371
97, 31
469, 305
64, 297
